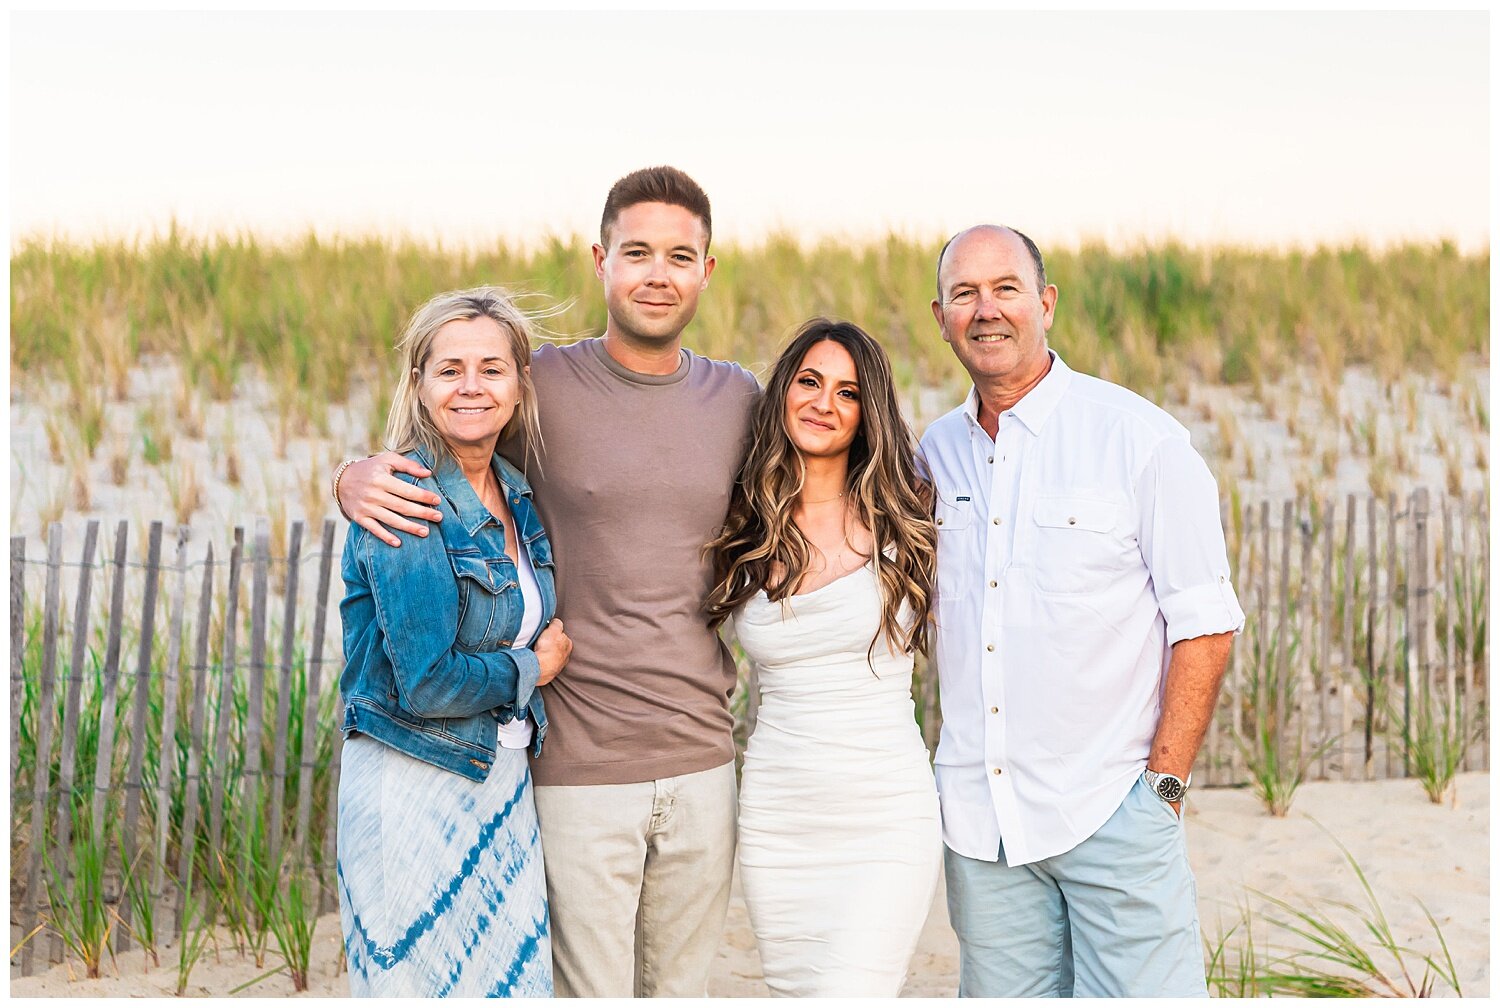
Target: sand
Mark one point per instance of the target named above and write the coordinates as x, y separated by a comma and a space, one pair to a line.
1408, 848
1262, 457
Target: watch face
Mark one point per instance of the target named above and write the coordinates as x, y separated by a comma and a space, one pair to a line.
1169, 788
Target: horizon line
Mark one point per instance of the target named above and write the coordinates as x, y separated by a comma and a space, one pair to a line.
277, 238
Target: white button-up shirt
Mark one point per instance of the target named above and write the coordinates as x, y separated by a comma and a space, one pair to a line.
1073, 550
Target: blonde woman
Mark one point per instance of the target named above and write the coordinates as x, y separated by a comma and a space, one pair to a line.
441, 888
826, 567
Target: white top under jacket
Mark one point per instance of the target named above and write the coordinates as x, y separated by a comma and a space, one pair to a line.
1073, 551
516, 733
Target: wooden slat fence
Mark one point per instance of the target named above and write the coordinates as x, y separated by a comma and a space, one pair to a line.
208, 771
1367, 626
206, 767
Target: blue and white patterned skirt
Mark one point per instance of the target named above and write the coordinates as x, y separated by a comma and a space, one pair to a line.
441, 888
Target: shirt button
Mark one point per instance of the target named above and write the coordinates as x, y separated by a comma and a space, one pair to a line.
989, 647
997, 771
992, 459
994, 710
1072, 521
994, 584
997, 521
940, 521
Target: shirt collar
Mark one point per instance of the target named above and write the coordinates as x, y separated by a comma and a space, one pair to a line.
1035, 406
454, 485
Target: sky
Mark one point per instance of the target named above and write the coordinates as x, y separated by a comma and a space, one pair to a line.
1270, 129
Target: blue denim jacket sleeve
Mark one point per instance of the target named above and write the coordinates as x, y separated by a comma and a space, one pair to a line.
416, 604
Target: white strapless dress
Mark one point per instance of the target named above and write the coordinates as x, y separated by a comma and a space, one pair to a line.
840, 844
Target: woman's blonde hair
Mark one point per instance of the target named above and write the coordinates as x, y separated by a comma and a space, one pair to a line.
408, 424
761, 547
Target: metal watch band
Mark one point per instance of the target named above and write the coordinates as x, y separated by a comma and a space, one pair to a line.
1155, 779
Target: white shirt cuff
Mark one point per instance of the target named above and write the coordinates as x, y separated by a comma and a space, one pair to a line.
1205, 609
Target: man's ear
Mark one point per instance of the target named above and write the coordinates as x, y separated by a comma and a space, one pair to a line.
937, 313
1049, 305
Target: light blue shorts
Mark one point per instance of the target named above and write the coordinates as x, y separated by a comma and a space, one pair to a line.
1116, 916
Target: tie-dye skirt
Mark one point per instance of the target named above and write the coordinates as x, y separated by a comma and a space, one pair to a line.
441, 889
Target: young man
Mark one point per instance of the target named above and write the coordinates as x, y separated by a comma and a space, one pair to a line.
642, 438
1084, 620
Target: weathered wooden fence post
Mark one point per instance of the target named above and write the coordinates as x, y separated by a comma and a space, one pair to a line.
1282, 676
310, 726
109, 687
171, 690
1419, 622
284, 694
1265, 638
1323, 679
1370, 650
225, 712
140, 699
192, 778
329, 899
1452, 720
1482, 581
1389, 644
255, 704
17, 686
1299, 591
1350, 660
1244, 573
17, 654
68, 740
46, 714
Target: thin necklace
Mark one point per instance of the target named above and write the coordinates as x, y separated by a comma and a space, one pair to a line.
836, 561
825, 500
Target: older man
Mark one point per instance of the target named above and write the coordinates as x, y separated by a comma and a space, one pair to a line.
1084, 618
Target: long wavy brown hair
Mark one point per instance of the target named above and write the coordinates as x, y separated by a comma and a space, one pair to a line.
893, 500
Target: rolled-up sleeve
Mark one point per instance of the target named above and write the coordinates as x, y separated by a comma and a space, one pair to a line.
1182, 542
416, 606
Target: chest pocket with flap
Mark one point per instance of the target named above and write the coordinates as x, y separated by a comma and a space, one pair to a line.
952, 516
481, 603
1078, 543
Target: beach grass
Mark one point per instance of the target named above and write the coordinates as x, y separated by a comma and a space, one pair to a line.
251, 356
317, 317
1330, 949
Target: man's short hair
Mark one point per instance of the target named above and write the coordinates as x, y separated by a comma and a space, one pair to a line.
662, 184
1036, 260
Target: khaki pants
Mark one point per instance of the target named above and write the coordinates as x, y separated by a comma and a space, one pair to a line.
638, 882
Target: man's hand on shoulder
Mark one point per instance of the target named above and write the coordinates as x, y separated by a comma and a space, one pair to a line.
372, 497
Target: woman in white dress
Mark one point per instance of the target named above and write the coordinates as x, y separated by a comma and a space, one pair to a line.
825, 566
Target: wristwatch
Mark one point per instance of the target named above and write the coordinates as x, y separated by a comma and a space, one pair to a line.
1167, 787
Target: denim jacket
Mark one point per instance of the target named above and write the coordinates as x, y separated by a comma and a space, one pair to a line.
431, 665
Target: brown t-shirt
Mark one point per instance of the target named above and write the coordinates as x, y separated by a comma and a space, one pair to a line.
634, 479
